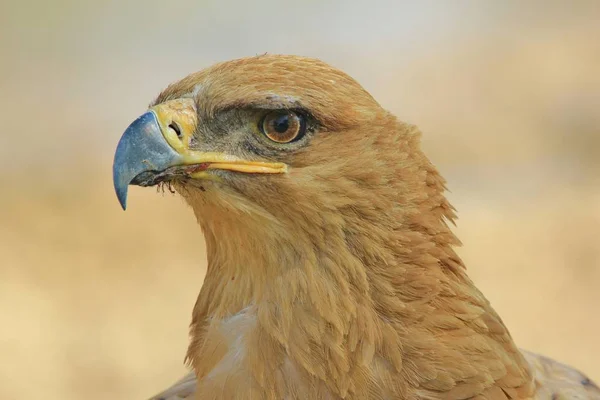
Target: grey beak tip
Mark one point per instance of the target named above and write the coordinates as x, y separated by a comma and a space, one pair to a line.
122, 196
121, 177
142, 148
120, 189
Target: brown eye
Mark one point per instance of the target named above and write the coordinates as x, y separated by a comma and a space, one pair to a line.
283, 126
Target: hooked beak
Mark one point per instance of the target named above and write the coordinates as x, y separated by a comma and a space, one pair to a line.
151, 151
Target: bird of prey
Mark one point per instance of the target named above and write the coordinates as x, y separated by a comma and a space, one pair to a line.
332, 271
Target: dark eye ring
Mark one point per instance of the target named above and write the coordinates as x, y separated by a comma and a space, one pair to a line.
283, 126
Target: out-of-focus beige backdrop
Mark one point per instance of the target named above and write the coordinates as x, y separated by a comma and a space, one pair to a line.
95, 302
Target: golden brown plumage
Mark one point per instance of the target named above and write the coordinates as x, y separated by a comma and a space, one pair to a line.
332, 276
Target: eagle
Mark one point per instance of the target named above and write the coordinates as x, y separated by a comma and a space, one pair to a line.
332, 271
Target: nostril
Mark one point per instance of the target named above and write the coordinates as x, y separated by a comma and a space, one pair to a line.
173, 125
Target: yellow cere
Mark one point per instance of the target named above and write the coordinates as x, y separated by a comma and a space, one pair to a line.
181, 112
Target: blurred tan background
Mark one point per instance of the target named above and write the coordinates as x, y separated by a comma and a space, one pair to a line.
95, 302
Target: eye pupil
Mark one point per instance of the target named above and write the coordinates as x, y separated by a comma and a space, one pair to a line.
283, 126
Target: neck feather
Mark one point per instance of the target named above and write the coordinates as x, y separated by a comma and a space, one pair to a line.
345, 302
